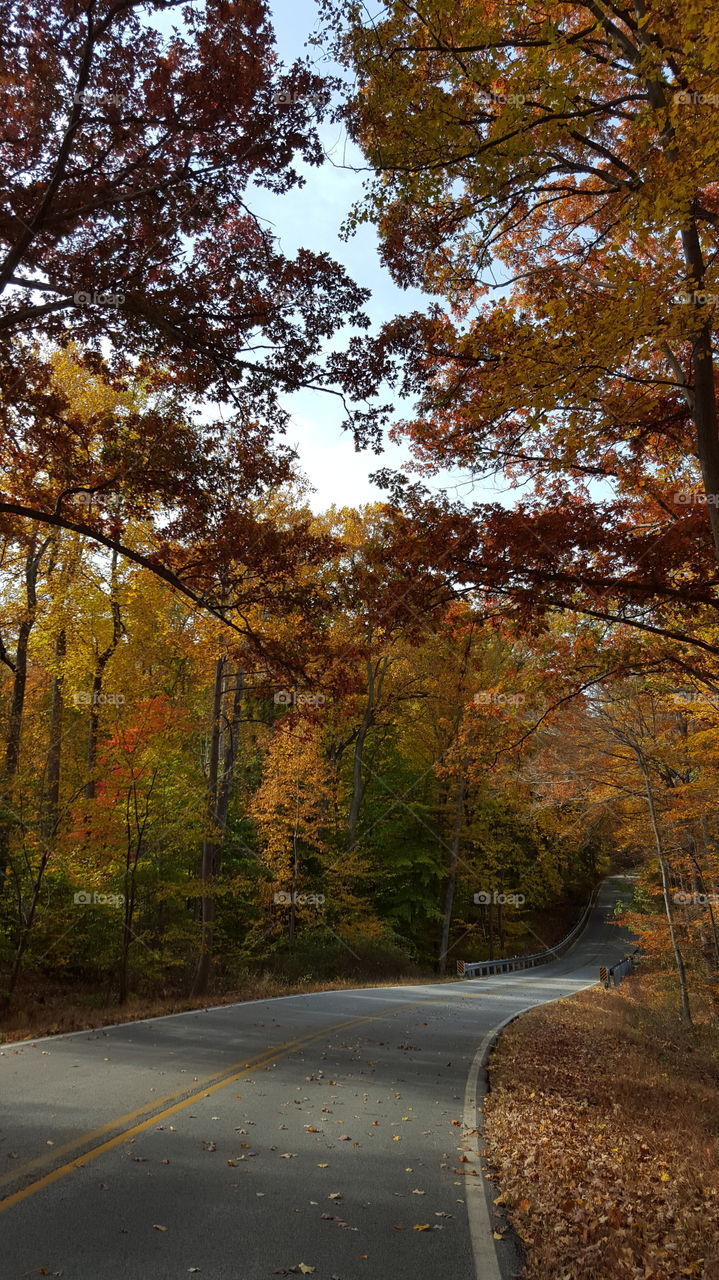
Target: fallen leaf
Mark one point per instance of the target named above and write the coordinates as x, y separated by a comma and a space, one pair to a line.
305, 1270
156, 1227
423, 1226
288, 1155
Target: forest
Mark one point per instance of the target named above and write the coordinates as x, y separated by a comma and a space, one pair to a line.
241, 736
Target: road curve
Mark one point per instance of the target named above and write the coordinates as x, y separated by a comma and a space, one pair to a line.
334, 1130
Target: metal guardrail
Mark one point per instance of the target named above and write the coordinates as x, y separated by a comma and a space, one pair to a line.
615, 974
484, 968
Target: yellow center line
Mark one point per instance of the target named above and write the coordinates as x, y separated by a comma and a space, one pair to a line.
144, 1110
204, 1091
155, 1111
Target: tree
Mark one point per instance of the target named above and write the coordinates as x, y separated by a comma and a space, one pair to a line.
128, 157
563, 157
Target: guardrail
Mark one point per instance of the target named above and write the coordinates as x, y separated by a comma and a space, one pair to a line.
617, 972
484, 968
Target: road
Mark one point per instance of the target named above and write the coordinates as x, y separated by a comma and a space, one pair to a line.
334, 1130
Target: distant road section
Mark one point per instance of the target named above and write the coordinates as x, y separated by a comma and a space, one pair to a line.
331, 1134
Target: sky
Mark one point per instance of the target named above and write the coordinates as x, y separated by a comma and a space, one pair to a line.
311, 217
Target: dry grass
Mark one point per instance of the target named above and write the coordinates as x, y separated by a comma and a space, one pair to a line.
52, 1010
603, 1125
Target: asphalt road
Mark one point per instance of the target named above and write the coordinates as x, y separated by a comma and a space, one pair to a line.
335, 1130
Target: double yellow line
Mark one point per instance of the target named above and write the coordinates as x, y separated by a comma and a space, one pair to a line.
159, 1111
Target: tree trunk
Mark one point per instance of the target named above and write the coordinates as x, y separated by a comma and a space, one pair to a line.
17, 706
211, 843
54, 752
231, 749
703, 399
666, 888
25, 930
101, 662
452, 873
375, 679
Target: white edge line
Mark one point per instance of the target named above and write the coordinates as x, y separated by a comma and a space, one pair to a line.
486, 1261
31, 1041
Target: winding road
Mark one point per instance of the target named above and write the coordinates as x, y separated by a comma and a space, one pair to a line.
331, 1134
